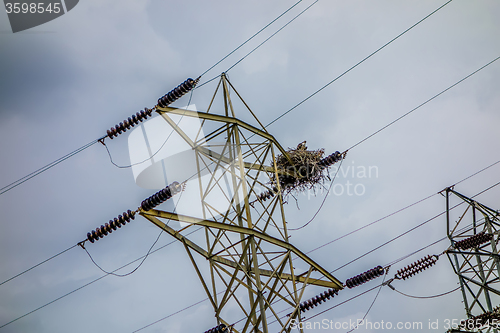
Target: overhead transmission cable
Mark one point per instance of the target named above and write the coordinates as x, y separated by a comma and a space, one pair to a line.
359, 63
322, 203
386, 267
254, 35
276, 32
410, 230
426, 297
199, 85
171, 315
396, 261
400, 210
136, 268
399, 118
422, 104
374, 300
46, 167
262, 43
40, 263
95, 280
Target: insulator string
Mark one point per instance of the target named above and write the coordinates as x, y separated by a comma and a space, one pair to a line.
373, 302
156, 152
161, 196
217, 329
473, 241
128, 123
416, 267
365, 277
484, 319
177, 92
318, 299
117, 222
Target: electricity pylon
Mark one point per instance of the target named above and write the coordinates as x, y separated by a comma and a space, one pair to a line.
255, 276
474, 257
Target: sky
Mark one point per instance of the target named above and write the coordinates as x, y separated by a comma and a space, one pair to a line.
64, 83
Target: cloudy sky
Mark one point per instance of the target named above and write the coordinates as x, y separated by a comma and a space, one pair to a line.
62, 84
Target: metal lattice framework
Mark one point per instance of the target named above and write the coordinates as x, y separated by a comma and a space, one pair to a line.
474, 257
250, 278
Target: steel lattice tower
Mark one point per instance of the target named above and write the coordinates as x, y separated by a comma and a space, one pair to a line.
474, 257
250, 273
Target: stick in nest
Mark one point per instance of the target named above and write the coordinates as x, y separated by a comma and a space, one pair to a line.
304, 173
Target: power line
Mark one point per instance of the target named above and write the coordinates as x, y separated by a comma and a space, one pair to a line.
144, 259
402, 258
322, 203
400, 210
408, 231
341, 303
424, 297
427, 101
371, 305
393, 239
258, 46
422, 104
93, 281
40, 263
46, 167
359, 63
84, 147
293, 19
429, 245
132, 271
170, 315
254, 35
372, 223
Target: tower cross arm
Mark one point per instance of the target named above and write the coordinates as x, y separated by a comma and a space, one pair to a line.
153, 215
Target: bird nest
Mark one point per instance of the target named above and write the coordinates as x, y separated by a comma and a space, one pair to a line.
303, 173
